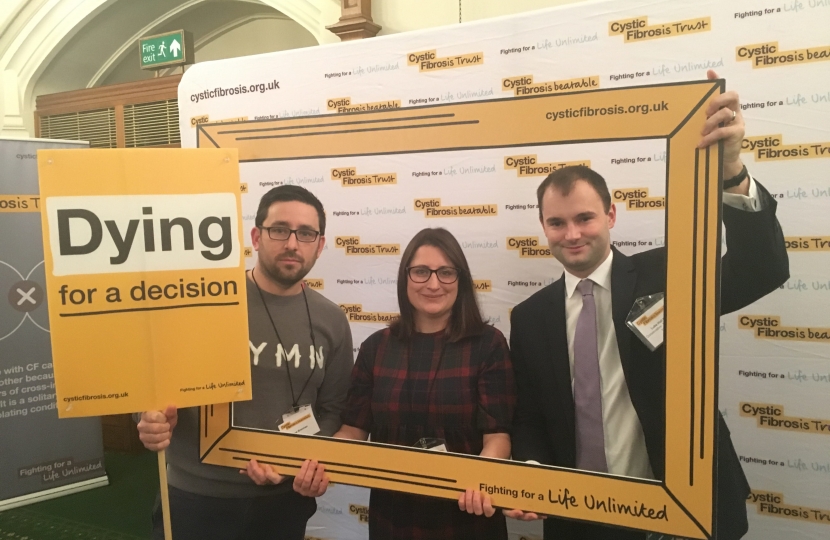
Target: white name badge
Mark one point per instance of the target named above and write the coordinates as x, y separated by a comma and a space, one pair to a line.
646, 319
300, 421
432, 443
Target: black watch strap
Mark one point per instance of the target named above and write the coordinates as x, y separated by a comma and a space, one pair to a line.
736, 180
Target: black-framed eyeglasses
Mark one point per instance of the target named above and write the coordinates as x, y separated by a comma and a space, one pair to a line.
284, 233
421, 274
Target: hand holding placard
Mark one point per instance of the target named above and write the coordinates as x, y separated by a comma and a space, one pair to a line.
156, 428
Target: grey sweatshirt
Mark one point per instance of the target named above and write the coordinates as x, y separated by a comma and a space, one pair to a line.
326, 388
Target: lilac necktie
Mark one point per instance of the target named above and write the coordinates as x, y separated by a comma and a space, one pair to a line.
590, 438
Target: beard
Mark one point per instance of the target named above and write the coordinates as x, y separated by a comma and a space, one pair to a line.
286, 278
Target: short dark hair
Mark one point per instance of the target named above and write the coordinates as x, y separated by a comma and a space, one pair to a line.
563, 181
465, 319
290, 193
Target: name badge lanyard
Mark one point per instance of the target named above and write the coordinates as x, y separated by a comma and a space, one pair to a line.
294, 399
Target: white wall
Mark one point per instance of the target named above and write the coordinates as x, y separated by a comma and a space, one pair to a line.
49, 46
404, 15
255, 36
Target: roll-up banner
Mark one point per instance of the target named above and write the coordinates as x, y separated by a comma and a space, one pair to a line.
40, 456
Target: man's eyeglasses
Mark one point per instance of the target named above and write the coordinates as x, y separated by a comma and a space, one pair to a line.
284, 233
421, 274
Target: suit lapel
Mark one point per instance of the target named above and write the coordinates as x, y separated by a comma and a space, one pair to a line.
623, 282
557, 337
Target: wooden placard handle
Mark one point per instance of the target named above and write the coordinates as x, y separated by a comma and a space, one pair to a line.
165, 497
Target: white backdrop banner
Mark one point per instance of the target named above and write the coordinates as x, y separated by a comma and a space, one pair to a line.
775, 354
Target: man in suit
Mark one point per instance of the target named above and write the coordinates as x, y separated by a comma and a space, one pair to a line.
591, 394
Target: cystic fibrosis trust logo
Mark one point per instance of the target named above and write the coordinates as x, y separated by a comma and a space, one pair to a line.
772, 504
769, 327
348, 177
772, 148
429, 60
355, 313
524, 85
19, 203
528, 165
205, 119
772, 417
318, 284
804, 243
345, 105
483, 285
638, 199
769, 54
528, 247
353, 246
360, 512
432, 209
638, 29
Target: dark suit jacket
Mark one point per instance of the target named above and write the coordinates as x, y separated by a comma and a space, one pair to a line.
755, 264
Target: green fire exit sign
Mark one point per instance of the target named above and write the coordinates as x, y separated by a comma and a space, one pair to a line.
164, 50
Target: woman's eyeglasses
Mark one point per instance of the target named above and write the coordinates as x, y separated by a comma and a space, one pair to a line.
422, 274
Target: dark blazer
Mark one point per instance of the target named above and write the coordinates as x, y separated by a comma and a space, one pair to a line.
754, 265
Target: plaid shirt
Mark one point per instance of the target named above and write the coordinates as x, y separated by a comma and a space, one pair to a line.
428, 387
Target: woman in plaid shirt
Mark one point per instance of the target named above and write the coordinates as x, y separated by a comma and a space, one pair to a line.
439, 371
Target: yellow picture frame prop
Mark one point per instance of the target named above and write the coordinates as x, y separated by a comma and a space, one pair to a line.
682, 504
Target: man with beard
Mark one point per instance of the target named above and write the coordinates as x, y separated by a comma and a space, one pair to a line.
301, 356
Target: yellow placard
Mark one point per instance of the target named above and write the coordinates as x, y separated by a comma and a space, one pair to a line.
145, 278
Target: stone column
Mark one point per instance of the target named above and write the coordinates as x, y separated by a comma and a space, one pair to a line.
355, 21
11, 111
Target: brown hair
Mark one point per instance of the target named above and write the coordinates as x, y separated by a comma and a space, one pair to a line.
563, 181
465, 318
286, 193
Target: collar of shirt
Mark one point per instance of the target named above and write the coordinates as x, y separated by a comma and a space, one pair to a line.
601, 276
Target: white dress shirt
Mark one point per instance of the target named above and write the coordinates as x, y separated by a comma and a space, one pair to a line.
750, 203
625, 444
